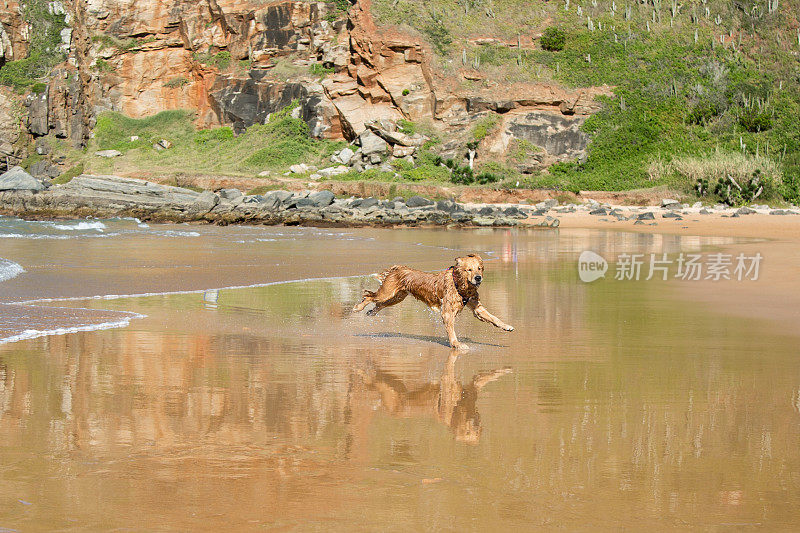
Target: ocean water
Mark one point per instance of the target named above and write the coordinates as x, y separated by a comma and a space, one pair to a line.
194, 377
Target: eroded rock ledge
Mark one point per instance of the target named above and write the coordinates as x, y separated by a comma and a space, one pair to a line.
112, 196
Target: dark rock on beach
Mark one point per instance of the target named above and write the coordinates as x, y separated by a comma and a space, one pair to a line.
111, 196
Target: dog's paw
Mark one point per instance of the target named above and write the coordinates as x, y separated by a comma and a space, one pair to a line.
509, 328
460, 346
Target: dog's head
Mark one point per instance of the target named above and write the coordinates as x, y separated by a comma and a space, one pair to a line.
471, 267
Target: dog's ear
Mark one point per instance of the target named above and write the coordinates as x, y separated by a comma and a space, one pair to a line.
476, 256
459, 261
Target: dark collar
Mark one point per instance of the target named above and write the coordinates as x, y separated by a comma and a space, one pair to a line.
464, 299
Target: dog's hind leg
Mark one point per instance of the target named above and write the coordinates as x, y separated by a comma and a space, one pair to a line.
392, 300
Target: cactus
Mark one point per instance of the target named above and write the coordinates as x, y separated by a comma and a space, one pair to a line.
701, 187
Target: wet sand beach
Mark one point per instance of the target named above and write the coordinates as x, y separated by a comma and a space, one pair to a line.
616, 403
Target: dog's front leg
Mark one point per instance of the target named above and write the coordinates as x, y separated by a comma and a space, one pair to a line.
481, 313
449, 319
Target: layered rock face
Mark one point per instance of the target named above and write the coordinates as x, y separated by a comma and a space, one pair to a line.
237, 61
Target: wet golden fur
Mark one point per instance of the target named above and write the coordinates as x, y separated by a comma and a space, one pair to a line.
448, 291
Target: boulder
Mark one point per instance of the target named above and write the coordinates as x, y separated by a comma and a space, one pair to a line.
390, 134
448, 206
346, 155
281, 196
44, 169
403, 151
333, 171
17, 179
646, 216
745, 211
108, 153
367, 203
302, 168
321, 198
418, 201
205, 202
230, 194
371, 144
669, 203
483, 221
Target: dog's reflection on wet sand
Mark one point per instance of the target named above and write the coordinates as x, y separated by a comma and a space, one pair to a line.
448, 400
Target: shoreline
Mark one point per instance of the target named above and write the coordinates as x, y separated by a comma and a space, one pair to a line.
115, 197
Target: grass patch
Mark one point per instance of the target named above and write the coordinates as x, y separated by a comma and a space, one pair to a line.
317, 69
280, 143
67, 176
176, 83
221, 60
264, 189
485, 126
114, 130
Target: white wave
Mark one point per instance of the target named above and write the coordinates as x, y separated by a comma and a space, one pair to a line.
39, 236
34, 333
81, 226
173, 233
9, 269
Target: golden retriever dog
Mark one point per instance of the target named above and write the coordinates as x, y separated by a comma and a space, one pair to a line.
451, 402
448, 291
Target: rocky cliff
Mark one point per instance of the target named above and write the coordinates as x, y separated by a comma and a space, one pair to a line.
234, 62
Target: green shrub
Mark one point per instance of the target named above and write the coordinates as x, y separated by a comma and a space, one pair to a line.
406, 92
755, 120
39, 88
704, 112
733, 192
553, 39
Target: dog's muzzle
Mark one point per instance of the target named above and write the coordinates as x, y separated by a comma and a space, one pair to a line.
478, 280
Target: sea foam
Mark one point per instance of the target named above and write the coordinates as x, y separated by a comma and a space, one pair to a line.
9, 269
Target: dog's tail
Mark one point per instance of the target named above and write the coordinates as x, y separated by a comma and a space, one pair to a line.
381, 276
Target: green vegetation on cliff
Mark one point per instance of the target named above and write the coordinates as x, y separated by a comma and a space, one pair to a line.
44, 50
696, 80
281, 142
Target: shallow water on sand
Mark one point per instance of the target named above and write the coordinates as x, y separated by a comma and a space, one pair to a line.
612, 404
